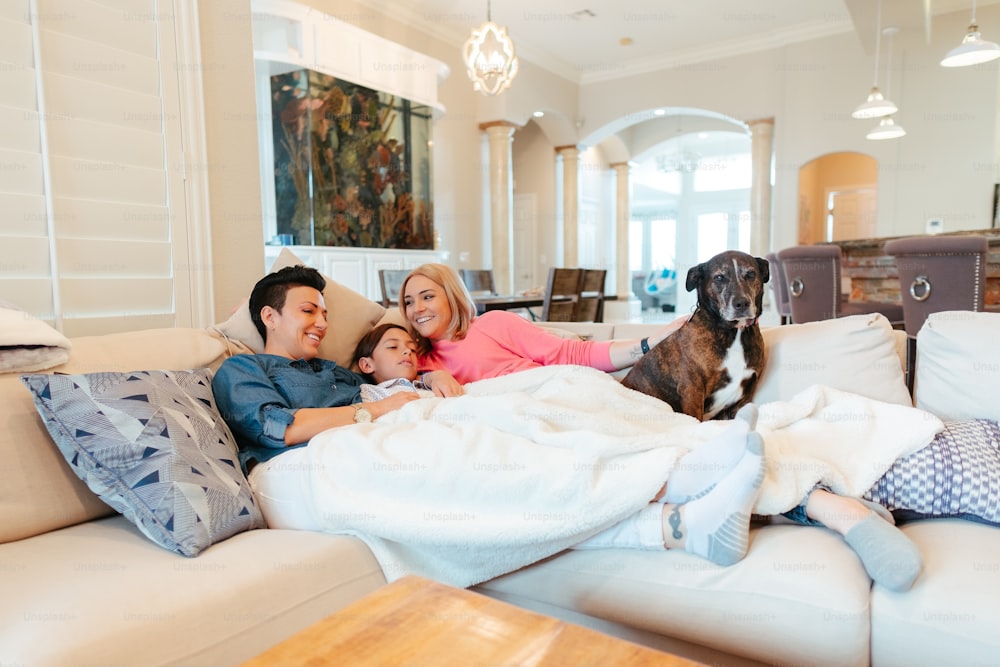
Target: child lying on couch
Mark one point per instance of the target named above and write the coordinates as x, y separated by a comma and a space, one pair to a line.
387, 357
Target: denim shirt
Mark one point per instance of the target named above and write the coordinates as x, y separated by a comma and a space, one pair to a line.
258, 395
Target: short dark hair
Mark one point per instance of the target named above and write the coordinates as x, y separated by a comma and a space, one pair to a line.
272, 289
368, 343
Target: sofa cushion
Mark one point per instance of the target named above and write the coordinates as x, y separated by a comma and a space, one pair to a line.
951, 615
153, 446
958, 365
956, 475
349, 315
856, 354
98, 593
800, 596
39, 492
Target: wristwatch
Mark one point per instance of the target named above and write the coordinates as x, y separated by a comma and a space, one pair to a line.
361, 414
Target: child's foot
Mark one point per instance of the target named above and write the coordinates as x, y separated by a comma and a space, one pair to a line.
889, 557
699, 470
716, 526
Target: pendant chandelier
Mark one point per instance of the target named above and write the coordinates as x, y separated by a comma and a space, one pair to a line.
489, 57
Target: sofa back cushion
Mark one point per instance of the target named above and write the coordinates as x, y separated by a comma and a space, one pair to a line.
38, 490
349, 315
860, 354
958, 365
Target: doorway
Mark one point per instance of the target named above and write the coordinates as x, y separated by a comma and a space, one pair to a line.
851, 214
838, 195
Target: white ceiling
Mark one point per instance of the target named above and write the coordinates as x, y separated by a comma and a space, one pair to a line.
581, 40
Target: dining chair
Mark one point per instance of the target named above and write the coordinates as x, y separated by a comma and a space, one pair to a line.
812, 273
391, 280
479, 281
779, 287
590, 306
562, 293
937, 273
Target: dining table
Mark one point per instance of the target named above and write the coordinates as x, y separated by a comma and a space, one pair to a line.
488, 302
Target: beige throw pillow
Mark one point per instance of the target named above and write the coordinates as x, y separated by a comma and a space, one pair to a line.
350, 317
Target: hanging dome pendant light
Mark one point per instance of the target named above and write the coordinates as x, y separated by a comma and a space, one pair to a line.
876, 105
489, 57
973, 50
887, 128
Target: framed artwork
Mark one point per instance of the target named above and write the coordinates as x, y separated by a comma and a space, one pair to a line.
352, 165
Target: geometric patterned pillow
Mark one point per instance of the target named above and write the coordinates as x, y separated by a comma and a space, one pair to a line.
153, 446
957, 475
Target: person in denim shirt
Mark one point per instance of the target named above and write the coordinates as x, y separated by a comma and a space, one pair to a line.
283, 397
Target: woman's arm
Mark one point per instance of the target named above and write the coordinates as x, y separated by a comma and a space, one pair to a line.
625, 353
310, 421
258, 411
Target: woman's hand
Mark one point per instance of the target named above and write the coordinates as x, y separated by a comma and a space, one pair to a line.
443, 383
673, 326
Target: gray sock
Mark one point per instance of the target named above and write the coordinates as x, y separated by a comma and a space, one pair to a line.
889, 557
881, 510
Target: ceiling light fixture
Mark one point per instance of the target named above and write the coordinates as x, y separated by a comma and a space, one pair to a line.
973, 50
682, 159
489, 57
876, 105
887, 128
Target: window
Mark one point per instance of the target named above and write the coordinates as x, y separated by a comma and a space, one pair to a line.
723, 172
94, 233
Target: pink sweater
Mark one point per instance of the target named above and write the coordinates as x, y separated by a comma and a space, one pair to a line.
499, 343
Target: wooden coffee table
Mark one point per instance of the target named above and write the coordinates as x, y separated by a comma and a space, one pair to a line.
421, 622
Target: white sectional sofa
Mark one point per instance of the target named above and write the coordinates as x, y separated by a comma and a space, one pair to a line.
80, 584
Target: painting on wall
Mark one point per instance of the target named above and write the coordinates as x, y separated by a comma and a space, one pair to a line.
352, 165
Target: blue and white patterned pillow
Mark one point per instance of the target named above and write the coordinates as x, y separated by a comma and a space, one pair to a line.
153, 446
957, 475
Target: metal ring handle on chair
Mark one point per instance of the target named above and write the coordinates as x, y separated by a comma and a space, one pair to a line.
796, 286
918, 282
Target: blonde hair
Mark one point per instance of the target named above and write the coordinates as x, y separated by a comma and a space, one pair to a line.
463, 308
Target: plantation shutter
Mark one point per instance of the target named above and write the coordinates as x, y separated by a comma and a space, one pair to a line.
92, 214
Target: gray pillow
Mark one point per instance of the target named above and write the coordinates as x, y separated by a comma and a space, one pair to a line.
957, 475
153, 446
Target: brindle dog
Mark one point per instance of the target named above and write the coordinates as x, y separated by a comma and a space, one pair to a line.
709, 367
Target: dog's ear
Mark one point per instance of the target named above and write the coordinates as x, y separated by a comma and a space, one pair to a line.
695, 274
764, 268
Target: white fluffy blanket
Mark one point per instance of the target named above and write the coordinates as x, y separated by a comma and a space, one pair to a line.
465, 489
27, 344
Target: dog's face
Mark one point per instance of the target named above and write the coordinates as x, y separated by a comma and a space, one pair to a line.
731, 286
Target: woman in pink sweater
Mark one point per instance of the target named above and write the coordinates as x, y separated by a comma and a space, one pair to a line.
451, 337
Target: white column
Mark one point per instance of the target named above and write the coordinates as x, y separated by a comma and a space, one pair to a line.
761, 149
626, 306
571, 196
500, 135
